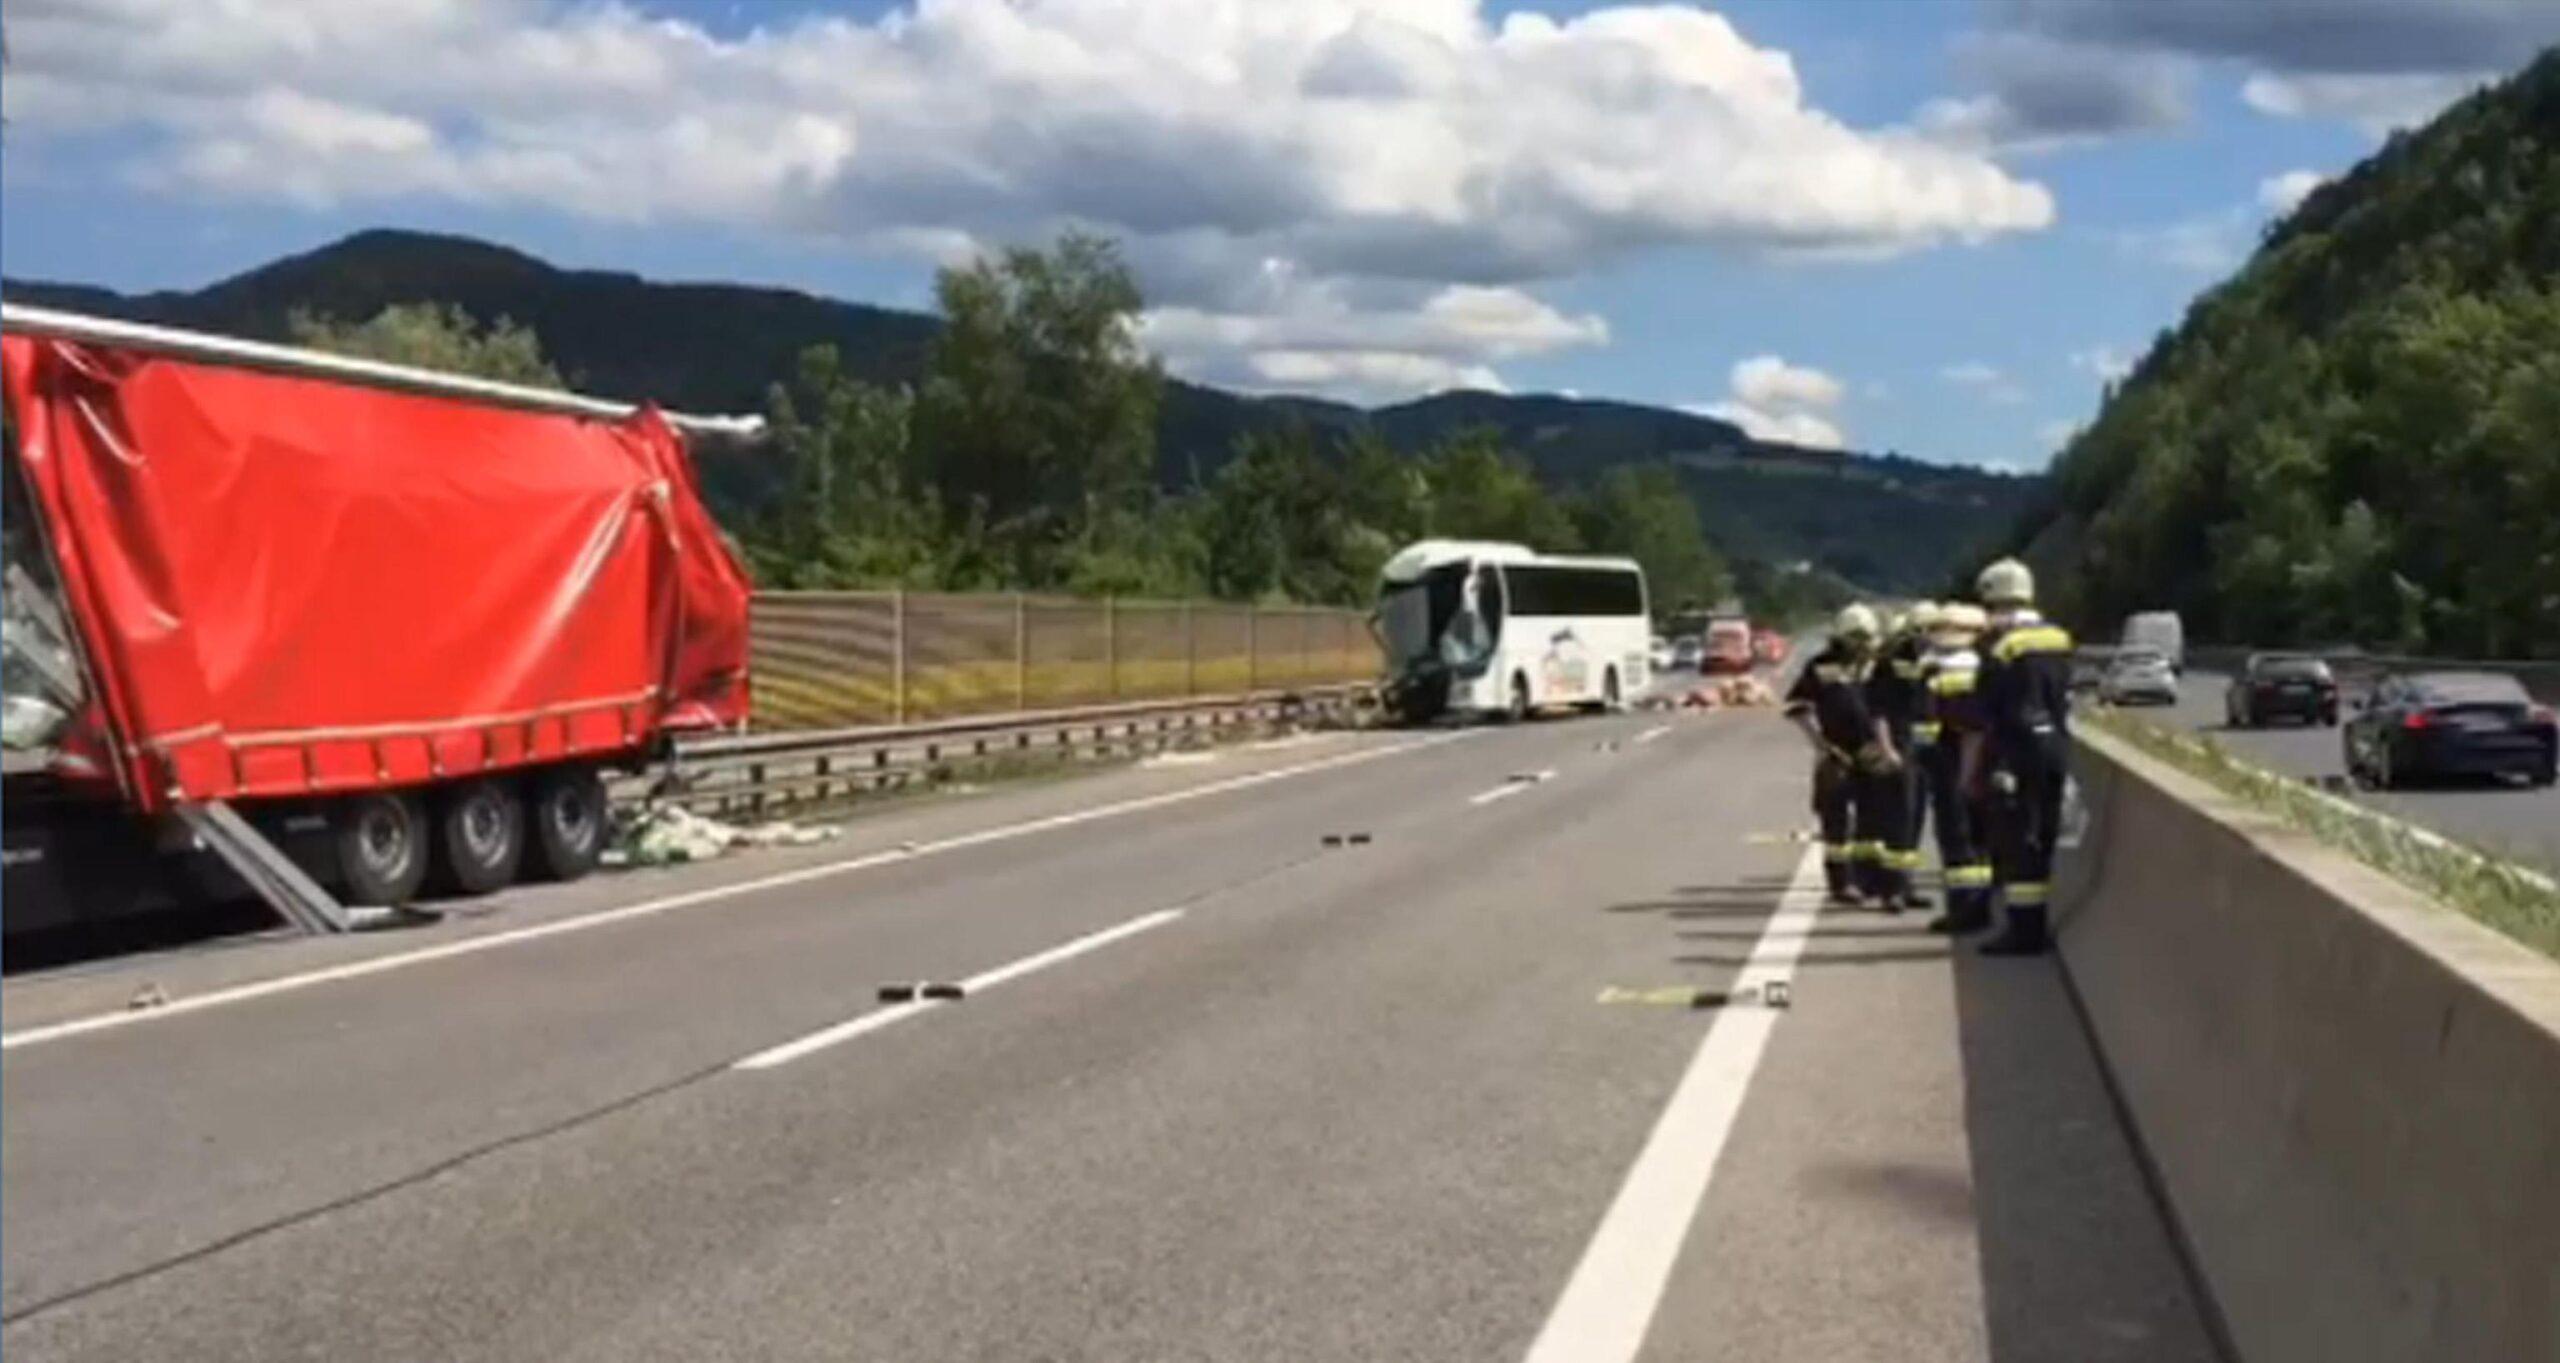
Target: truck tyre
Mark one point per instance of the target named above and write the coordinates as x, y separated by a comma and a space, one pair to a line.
567, 811
382, 847
479, 837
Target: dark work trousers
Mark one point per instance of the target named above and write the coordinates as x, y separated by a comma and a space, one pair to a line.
1879, 829
1911, 812
1960, 862
1835, 807
2028, 819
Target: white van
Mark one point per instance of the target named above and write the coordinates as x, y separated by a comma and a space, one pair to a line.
2158, 632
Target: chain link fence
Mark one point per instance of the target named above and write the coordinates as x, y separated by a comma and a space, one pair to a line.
826, 660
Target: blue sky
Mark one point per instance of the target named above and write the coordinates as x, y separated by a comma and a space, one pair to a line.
1899, 224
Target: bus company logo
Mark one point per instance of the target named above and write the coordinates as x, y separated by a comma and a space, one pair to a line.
1566, 665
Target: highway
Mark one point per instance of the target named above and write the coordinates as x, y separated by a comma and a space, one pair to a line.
2514, 821
1218, 1091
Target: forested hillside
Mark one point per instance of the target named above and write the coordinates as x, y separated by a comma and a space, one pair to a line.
1890, 524
2356, 438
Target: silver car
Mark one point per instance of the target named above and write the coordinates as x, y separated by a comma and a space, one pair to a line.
2140, 677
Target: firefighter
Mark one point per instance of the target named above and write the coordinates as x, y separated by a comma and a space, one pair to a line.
2024, 686
1853, 760
1952, 711
1895, 693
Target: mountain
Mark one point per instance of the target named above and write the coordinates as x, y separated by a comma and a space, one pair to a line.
2357, 436
1890, 523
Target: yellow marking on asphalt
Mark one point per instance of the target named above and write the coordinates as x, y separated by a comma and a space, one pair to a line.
1674, 996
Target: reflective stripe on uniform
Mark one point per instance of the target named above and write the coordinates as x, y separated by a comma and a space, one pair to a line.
1835, 852
1928, 730
1903, 860
1969, 877
1951, 684
1866, 851
2018, 643
2029, 892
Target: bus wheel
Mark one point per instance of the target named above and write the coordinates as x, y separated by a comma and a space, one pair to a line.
1519, 711
1612, 698
479, 836
382, 847
568, 815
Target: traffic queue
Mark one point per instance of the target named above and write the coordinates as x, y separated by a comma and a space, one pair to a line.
1949, 718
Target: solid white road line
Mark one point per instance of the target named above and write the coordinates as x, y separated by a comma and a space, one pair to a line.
560, 927
976, 984
1609, 1302
1653, 733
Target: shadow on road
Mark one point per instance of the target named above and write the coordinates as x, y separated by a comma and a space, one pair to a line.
2077, 1258
1823, 960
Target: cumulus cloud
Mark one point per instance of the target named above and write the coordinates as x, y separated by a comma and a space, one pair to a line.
1985, 381
1319, 335
2039, 93
2281, 194
1415, 143
2380, 64
2103, 362
2375, 103
1774, 400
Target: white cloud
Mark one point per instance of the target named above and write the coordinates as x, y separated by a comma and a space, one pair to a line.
2284, 193
1424, 143
1298, 334
2053, 435
1775, 400
2376, 103
2106, 363
1985, 381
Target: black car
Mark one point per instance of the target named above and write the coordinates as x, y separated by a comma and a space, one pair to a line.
2274, 686
2451, 723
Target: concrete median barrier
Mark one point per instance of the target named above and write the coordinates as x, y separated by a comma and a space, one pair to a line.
2350, 1095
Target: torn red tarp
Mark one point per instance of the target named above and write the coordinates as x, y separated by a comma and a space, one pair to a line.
288, 584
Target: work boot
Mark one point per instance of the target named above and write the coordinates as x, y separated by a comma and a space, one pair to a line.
1835, 879
2025, 935
1914, 899
1967, 912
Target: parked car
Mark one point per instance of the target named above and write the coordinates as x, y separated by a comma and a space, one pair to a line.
1661, 654
2450, 723
1688, 652
2272, 686
2139, 676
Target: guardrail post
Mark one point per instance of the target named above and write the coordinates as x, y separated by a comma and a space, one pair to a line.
1190, 652
1110, 648
1252, 647
898, 655
1021, 652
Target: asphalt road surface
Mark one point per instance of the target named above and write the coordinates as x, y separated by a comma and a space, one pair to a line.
2511, 820
1218, 1091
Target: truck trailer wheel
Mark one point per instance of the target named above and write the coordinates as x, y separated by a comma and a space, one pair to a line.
568, 816
479, 836
382, 847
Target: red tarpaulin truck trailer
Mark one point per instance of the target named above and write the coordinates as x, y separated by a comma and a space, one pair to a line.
404, 621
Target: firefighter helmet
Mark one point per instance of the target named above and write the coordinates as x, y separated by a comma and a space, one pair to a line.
1855, 622
2006, 583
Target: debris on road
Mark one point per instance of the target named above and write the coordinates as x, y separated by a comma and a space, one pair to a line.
1726, 693
671, 834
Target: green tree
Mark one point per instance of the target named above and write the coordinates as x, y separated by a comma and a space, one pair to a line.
439, 336
1036, 421
1641, 511
851, 518
1479, 490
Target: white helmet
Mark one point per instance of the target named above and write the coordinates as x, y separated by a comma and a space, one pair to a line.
2006, 583
1855, 622
1924, 617
1960, 621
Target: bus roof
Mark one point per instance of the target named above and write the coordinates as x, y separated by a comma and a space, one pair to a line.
1421, 556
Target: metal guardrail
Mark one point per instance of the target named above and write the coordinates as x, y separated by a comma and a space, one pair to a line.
756, 776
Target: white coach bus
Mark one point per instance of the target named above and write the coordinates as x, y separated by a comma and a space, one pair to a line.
1481, 628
